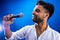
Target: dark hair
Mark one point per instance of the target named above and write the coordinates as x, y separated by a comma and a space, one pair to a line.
49, 7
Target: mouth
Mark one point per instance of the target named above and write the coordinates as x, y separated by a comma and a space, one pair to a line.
34, 16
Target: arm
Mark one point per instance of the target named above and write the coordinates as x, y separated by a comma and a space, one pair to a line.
7, 22
20, 34
8, 32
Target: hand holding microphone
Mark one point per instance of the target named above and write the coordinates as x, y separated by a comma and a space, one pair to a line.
7, 20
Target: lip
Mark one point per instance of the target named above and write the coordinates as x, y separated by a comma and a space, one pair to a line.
34, 16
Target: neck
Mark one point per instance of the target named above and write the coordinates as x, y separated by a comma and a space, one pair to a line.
41, 26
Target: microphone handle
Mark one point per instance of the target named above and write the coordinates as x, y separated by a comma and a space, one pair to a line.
17, 16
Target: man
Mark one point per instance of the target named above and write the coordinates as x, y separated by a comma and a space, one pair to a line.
39, 31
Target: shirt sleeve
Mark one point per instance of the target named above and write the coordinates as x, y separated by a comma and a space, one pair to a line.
19, 34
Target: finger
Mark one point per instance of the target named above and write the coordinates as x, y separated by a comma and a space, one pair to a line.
9, 16
13, 19
5, 18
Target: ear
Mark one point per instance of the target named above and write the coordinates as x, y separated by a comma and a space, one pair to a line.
46, 15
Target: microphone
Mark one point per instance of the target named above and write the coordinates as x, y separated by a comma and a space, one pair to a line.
17, 16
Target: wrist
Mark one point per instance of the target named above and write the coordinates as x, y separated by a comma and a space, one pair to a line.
6, 26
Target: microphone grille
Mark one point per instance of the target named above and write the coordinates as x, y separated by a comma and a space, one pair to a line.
21, 14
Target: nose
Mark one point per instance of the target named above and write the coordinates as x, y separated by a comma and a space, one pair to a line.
34, 13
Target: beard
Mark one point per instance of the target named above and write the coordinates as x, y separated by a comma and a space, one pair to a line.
37, 20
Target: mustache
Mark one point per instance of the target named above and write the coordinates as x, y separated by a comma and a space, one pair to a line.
34, 15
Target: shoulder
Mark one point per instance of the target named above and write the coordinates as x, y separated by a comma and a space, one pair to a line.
55, 33
26, 28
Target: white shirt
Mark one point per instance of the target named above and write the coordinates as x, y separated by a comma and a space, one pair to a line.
29, 33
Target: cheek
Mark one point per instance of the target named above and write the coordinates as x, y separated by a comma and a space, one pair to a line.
40, 15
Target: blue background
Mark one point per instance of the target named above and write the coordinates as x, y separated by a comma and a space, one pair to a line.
26, 7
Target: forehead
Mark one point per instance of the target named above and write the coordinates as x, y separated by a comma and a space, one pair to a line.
39, 7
